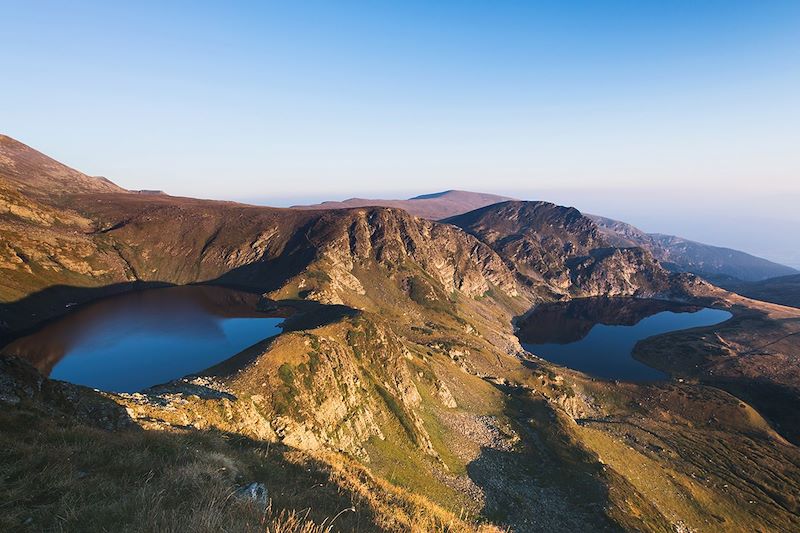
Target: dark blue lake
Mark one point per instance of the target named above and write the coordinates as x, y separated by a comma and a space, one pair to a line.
136, 340
597, 335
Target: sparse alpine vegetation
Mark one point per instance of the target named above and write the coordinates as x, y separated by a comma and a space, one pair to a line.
398, 397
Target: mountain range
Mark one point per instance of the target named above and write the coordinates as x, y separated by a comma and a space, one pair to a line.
435, 206
675, 253
684, 255
398, 397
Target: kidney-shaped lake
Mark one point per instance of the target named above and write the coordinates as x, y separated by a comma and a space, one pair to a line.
144, 338
597, 335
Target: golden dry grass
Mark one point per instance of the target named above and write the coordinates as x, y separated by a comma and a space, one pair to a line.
60, 475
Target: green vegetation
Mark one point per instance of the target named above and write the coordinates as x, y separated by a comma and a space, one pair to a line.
284, 399
405, 467
398, 411
441, 438
61, 475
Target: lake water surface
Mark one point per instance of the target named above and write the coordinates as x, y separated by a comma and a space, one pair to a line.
597, 335
139, 339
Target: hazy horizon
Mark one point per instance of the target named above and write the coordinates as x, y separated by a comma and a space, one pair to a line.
758, 224
764, 236
680, 117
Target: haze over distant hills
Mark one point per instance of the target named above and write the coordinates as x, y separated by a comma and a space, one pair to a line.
679, 254
784, 290
433, 206
676, 253
397, 388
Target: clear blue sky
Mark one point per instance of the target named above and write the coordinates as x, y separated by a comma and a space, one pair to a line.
654, 102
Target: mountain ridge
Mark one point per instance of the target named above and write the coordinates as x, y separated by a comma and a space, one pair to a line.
685, 255
432, 206
398, 380
561, 247
677, 253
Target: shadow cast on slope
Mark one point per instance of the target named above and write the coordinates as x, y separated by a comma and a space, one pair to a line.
262, 275
61, 474
22, 316
548, 482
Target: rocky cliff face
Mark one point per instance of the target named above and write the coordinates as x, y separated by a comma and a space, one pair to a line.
564, 250
402, 244
108, 238
415, 370
620, 272
334, 387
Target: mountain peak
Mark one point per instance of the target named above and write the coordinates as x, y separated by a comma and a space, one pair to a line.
433, 206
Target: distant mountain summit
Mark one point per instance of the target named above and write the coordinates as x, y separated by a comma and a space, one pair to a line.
675, 253
434, 206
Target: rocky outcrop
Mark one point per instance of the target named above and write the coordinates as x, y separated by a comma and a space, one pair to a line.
618, 272
395, 240
333, 387
536, 238
563, 250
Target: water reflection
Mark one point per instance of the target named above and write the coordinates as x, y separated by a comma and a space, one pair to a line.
140, 339
597, 335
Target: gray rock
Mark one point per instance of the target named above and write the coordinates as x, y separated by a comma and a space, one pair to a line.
255, 492
11, 399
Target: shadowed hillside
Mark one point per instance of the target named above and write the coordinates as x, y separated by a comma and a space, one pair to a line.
784, 290
398, 387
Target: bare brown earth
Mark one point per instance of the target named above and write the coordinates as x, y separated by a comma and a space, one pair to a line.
399, 386
755, 355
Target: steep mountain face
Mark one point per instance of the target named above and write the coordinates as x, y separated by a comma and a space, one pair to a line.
397, 386
683, 255
434, 206
395, 240
564, 250
111, 240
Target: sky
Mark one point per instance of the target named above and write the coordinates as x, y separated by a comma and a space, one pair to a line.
681, 117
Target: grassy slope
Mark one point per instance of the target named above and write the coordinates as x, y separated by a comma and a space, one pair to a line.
580, 448
62, 474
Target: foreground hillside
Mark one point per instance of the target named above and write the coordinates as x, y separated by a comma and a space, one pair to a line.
398, 387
